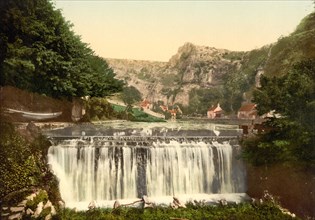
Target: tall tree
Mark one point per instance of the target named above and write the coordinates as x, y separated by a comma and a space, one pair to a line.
131, 95
293, 135
41, 53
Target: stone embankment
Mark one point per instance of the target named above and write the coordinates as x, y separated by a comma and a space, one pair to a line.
35, 206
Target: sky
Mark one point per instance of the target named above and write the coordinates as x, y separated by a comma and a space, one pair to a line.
154, 30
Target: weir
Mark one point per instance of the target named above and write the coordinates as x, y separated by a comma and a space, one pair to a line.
105, 168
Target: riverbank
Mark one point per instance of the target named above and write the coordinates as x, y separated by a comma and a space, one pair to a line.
292, 184
243, 211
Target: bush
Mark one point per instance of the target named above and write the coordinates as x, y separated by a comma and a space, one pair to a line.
98, 109
267, 210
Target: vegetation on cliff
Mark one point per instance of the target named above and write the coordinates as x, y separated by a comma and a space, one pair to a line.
200, 76
287, 89
23, 164
296, 47
291, 137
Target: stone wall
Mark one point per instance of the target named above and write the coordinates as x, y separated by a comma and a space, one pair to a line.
35, 205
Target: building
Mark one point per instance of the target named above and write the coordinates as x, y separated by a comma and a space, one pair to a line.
145, 104
173, 113
215, 112
247, 111
164, 108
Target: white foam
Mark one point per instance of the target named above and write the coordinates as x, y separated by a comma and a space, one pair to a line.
207, 199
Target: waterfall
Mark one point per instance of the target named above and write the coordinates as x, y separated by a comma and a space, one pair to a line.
106, 170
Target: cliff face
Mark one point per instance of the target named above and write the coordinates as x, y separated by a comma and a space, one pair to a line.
192, 67
227, 76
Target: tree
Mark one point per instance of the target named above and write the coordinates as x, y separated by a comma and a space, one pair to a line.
292, 136
41, 53
131, 95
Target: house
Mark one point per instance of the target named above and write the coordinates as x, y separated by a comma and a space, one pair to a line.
247, 111
145, 104
164, 108
215, 112
173, 113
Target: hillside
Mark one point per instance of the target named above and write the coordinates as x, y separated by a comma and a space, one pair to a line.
193, 67
197, 77
299, 45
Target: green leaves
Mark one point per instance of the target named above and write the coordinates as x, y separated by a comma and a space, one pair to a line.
131, 95
18, 165
292, 137
41, 53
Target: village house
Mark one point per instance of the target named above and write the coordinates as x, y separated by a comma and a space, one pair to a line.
173, 113
145, 104
215, 112
247, 111
164, 108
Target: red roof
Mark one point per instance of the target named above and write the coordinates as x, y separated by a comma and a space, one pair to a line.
163, 107
212, 108
145, 103
215, 109
247, 107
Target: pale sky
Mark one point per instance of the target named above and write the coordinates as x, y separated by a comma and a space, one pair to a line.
154, 30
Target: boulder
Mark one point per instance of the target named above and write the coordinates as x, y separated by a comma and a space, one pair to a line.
116, 204
223, 202
61, 204
48, 217
178, 203
47, 205
15, 216
53, 210
39, 209
23, 203
29, 211
32, 196
92, 205
17, 209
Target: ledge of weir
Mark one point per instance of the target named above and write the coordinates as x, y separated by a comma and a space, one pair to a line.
147, 140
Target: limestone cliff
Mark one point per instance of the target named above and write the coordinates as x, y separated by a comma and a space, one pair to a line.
202, 76
192, 67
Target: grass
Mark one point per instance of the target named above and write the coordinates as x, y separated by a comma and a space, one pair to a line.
244, 211
139, 115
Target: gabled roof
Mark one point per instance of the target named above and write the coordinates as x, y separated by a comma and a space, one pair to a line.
212, 108
173, 111
145, 103
163, 107
215, 109
247, 107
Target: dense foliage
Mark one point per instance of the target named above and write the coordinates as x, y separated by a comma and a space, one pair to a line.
296, 47
292, 136
41, 53
98, 109
134, 114
237, 81
130, 95
23, 164
201, 99
242, 80
244, 211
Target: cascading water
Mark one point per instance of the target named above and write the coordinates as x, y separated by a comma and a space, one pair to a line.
122, 166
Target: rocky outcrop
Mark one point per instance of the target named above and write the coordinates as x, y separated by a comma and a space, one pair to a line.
35, 206
191, 67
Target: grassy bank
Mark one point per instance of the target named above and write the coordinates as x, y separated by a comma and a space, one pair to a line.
267, 210
137, 115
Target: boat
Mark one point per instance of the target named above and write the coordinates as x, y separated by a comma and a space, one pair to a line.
35, 115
